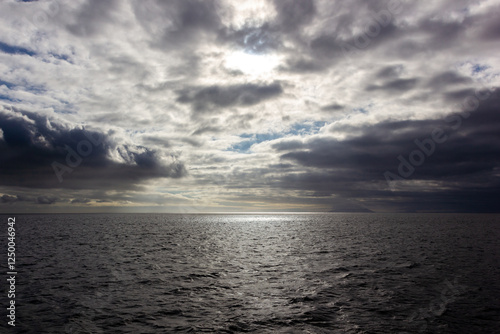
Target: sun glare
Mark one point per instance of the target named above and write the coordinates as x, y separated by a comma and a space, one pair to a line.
251, 64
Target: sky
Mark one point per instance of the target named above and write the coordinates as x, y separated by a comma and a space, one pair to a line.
249, 106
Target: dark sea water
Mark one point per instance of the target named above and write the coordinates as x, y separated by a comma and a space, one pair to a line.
293, 273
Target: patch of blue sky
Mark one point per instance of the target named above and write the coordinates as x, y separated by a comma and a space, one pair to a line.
25, 86
473, 67
17, 50
303, 128
61, 57
8, 98
478, 68
60, 107
365, 109
483, 73
251, 139
242, 147
35, 89
9, 85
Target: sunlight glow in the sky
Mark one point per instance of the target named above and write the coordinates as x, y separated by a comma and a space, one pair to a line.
252, 64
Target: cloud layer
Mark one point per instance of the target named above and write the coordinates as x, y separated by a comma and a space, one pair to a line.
183, 106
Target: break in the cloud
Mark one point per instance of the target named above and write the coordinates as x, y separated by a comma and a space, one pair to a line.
196, 106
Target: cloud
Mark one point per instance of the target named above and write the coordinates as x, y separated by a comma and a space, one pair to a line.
177, 23
303, 64
491, 30
388, 72
80, 201
293, 14
288, 144
210, 99
464, 167
92, 17
449, 78
46, 199
8, 199
332, 107
36, 149
395, 85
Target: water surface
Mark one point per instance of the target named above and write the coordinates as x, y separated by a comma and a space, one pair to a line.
293, 273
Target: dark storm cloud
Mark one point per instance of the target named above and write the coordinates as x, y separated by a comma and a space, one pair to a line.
34, 148
376, 148
206, 99
464, 166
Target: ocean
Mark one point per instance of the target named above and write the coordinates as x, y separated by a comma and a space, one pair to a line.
266, 273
